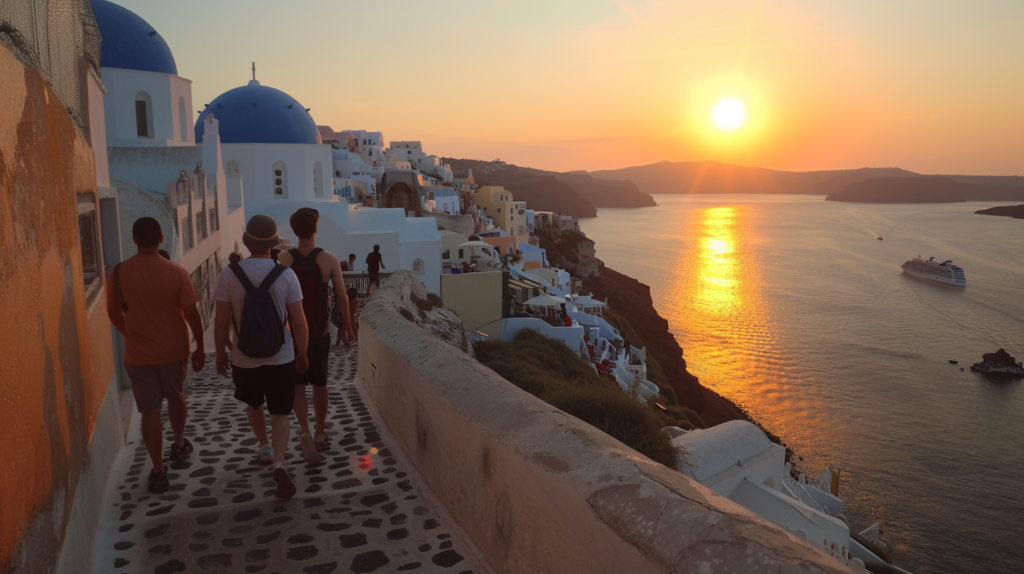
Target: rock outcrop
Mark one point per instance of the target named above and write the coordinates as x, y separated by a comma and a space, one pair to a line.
424, 309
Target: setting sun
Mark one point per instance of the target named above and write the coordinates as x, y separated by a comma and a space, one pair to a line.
729, 114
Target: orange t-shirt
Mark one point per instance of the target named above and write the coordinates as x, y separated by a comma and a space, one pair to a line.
155, 290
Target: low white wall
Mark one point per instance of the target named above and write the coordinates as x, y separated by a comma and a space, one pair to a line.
540, 491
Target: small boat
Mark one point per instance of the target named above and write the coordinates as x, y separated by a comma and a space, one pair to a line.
953, 361
880, 238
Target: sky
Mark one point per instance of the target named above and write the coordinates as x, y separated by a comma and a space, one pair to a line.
931, 86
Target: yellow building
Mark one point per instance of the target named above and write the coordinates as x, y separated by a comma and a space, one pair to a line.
497, 203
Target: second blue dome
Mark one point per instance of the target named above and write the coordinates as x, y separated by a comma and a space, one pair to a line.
259, 114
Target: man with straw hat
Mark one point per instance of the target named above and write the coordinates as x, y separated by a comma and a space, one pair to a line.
256, 296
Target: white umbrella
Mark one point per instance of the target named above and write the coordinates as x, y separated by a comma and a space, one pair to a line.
588, 301
545, 301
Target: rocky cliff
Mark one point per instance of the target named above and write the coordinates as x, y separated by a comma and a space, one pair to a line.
631, 301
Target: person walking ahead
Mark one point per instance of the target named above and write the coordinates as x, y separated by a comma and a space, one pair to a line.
374, 263
150, 300
256, 296
315, 268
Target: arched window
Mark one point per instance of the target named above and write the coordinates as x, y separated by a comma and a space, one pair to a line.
182, 119
279, 179
232, 169
143, 115
318, 179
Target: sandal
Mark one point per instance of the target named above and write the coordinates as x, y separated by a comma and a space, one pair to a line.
158, 482
179, 454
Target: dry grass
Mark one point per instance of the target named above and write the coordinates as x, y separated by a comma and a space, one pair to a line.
552, 372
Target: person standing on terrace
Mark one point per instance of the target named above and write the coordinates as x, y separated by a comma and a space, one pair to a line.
149, 300
315, 268
257, 295
374, 263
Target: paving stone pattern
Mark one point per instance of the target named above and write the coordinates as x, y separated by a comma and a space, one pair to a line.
356, 512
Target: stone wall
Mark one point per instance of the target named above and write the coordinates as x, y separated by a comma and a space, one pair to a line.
458, 223
56, 356
537, 490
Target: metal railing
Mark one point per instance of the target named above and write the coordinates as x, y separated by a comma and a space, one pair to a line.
801, 493
54, 36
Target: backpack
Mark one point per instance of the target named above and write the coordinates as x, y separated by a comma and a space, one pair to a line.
261, 332
315, 294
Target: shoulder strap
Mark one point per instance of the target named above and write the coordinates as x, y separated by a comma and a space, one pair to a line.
272, 276
316, 251
242, 277
296, 255
117, 281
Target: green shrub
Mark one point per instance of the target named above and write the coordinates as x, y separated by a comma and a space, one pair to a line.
551, 371
407, 314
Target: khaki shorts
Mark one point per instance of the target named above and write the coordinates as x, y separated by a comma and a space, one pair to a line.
151, 384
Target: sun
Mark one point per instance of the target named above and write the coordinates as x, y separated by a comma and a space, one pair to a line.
729, 114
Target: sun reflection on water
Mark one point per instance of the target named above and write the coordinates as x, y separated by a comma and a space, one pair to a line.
720, 298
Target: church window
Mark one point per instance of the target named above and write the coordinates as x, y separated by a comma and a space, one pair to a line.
143, 115
182, 119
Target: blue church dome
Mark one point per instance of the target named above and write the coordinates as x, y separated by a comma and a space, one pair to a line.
259, 114
129, 42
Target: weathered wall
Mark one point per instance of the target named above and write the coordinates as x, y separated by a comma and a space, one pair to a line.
55, 353
539, 491
458, 223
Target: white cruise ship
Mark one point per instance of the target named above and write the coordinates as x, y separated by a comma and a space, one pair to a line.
929, 270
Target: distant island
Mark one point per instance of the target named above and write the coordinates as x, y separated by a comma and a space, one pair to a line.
1014, 211
686, 177
581, 193
572, 193
868, 184
925, 189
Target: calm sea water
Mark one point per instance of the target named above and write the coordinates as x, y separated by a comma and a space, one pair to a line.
790, 306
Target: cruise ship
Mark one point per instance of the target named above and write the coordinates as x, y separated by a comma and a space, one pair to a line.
929, 270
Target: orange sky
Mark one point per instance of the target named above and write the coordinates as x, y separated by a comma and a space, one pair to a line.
934, 87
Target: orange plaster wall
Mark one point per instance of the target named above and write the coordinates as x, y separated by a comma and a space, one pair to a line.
56, 359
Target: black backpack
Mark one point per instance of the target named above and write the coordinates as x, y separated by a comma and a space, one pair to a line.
261, 331
315, 294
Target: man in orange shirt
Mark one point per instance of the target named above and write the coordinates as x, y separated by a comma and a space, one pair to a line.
149, 300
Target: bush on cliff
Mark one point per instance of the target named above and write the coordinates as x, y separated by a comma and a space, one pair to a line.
552, 372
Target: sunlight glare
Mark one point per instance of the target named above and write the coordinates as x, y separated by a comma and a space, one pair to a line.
729, 114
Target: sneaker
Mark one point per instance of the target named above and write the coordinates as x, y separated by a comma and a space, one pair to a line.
285, 486
309, 451
179, 454
322, 442
266, 455
158, 482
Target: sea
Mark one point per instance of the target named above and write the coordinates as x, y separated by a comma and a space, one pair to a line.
790, 306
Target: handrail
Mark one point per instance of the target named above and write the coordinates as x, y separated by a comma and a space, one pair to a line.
802, 494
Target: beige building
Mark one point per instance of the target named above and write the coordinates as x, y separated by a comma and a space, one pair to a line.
478, 298
496, 203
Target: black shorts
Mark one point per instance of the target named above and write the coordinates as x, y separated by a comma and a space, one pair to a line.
273, 383
317, 352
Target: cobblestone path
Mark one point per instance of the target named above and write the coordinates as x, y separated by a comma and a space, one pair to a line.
356, 512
